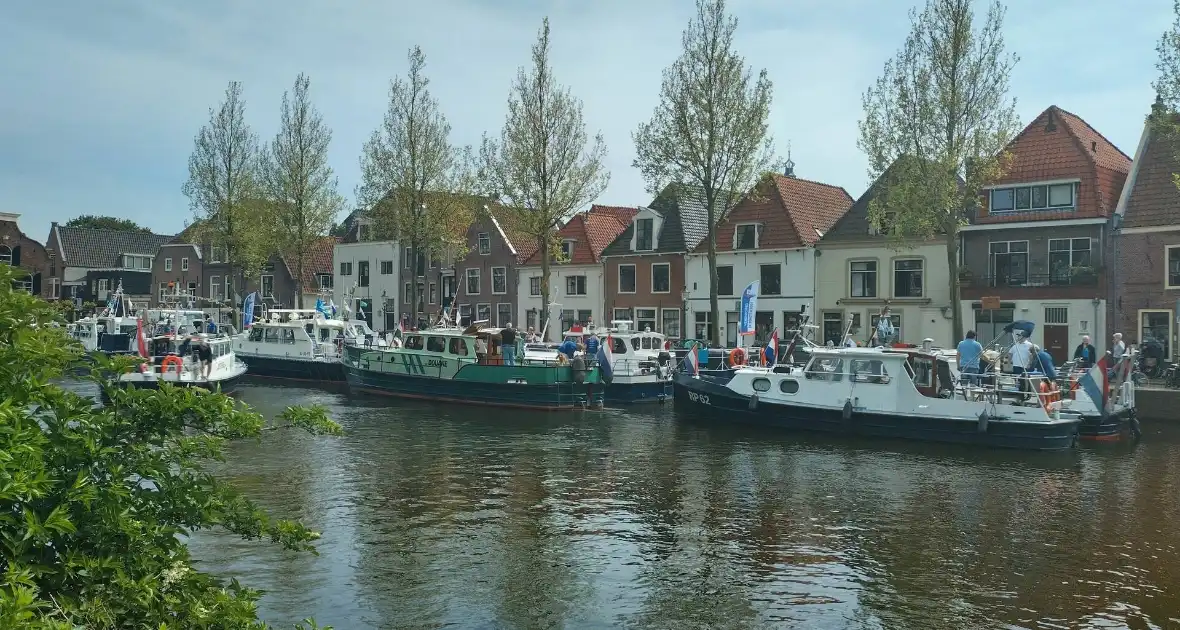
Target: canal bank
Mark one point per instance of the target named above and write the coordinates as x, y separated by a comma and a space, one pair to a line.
433, 516
1155, 403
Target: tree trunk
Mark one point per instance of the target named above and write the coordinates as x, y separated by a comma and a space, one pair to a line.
952, 261
544, 321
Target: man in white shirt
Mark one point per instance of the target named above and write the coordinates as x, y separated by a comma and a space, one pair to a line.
1021, 354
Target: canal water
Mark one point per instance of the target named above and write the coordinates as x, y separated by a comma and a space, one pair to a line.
444, 516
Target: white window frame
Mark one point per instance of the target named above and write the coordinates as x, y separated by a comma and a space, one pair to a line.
585, 282
622, 313
55, 288
679, 322
876, 277
991, 259
568, 244
505, 275
506, 319
215, 283
1171, 327
538, 291
217, 255
651, 233
184, 264
163, 291
653, 278
483, 305
5, 254
381, 268
432, 293
655, 318
467, 277
325, 281
921, 272
167, 264
346, 268
757, 235
262, 285
634, 279
1168, 249
192, 289
484, 243
1049, 186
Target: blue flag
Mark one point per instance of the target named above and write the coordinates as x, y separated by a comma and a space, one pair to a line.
605, 359
248, 311
749, 306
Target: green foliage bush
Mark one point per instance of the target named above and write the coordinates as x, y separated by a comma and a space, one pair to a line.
94, 500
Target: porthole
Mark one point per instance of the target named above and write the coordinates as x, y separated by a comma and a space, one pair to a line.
788, 386
761, 384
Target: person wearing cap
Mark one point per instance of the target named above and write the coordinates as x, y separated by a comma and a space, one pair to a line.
1043, 361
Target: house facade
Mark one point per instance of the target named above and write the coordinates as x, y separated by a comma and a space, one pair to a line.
858, 270
91, 264
1038, 248
177, 269
768, 237
485, 282
1146, 249
367, 276
576, 283
643, 268
32, 263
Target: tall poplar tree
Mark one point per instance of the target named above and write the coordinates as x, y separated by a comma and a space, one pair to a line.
297, 180
710, 129
941, 117
415, 183
543, 166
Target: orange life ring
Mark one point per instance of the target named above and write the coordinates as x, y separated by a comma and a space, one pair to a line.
169, 361
737, 357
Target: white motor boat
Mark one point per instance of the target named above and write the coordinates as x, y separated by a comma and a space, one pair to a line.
641, 361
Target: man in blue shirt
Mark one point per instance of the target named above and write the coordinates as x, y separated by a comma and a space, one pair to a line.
969, 352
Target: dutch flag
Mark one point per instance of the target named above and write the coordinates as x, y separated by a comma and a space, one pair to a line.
605, 360
770, 351
693, 359
1096, 383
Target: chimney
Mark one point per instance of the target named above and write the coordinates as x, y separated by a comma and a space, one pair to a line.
1157, 108
1052, 124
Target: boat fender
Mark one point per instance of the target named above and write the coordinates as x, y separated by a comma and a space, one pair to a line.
754, 402
578, 365
847, 411
983, 420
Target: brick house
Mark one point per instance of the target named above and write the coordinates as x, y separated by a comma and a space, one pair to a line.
644, 265
769, 237
485, 281
1146, 247
576, 284
28, 256
177, 268
1039, 242
91, 264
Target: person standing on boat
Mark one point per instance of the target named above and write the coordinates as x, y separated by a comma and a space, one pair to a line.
508, 344
592, 344
205, 356
967, 358
1117, 347
1043, 361
1021, 353
568, 348
1086, 354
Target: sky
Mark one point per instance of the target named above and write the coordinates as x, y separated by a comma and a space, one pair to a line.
101, 100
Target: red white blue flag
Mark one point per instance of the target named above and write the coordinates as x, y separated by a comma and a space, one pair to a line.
693, 360
770, 351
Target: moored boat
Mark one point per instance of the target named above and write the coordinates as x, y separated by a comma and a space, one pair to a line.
300, 344
173, 360
879, 393
441, 364
641, 361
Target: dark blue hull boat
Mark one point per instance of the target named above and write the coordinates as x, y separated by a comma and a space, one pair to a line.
294, 369
633, 393
710, 398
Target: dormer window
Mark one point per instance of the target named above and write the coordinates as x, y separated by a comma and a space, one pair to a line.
745, 236
131, 261
644, 238
889, 219
485, 244
363, 231
567, 249
1033, 198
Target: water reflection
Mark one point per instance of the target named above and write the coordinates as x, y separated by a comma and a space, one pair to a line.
437, 516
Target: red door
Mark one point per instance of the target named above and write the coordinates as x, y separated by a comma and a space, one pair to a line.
1057, 343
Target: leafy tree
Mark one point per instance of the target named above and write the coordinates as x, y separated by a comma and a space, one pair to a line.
97, 222
416, 184
541, 165
223, 191
93, 500
1163, 119
296, 179
710, 128
936, 124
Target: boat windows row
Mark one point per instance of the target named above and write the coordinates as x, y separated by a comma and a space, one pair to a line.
858, 370
452, 345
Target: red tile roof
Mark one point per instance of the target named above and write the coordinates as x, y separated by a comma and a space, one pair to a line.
1153, 199
794, 213
1060, 145
591, 232
317, 259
